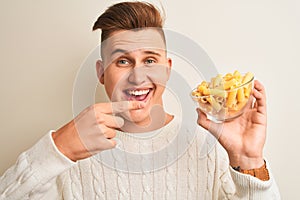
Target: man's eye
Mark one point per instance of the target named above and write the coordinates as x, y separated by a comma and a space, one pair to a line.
123, 62
150, 61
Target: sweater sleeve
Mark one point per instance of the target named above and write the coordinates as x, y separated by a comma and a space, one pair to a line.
249, 187
35, 172
236, 186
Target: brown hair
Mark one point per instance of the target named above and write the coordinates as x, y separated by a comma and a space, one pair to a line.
127, 16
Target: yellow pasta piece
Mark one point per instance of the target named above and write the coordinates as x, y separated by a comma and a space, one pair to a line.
247, 77
204, 83
218, 92
228, 77
196, 94
216, 106
201, 88
203, 100
238, 106
237, 75
206, 92
231, 98
217, 81
247, 90
240, 95
229, 84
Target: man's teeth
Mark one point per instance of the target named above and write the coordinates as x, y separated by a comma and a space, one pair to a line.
138, 92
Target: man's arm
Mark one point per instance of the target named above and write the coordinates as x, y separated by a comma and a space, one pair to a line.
35, 172
250, 187
243, 139
90, 132
232, 184
236, 185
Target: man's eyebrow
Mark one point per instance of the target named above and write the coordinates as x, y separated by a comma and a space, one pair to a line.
152, 52
126, 52
118, 51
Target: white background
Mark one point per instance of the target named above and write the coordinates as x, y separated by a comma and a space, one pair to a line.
43, 44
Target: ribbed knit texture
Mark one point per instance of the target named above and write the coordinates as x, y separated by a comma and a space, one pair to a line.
155, 165
189, 176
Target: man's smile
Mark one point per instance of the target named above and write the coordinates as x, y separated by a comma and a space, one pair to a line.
138, 94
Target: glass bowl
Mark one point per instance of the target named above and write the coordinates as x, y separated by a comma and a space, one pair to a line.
224, 104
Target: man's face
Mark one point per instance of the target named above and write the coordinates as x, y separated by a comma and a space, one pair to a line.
135, 68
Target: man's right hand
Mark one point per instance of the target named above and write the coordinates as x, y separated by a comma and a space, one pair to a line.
92, 130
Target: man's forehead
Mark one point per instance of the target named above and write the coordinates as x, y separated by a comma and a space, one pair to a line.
132, 40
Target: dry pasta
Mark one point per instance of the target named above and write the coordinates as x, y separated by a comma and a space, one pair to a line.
225, 94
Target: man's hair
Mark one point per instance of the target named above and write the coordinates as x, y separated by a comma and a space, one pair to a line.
128, 16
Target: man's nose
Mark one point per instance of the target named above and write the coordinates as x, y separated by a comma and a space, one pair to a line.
137, 75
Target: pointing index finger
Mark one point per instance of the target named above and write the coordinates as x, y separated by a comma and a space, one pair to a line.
118, 107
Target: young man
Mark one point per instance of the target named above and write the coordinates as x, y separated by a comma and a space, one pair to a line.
134, 70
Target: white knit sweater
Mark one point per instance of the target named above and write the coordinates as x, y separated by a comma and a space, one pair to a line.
141, 167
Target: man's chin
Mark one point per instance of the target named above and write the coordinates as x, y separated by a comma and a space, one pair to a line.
136, 117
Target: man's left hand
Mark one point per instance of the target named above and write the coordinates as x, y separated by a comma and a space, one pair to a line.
243, 137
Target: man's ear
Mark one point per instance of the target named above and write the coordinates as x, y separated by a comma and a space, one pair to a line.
100, 71
169, 67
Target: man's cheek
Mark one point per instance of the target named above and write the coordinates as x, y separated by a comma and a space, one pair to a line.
158, 74
113, 87
111, 91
